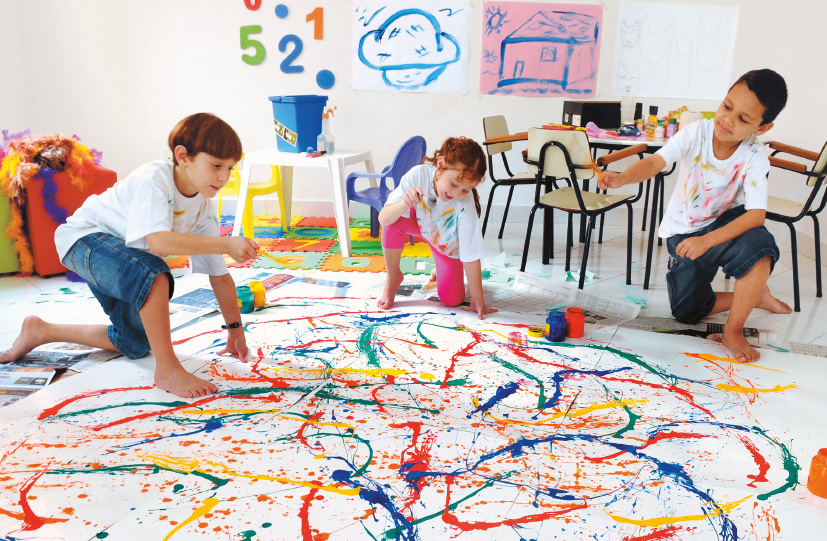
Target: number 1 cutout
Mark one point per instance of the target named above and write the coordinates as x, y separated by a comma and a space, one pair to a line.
317, 16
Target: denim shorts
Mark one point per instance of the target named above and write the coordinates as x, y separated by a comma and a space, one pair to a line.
120, 278
689, 282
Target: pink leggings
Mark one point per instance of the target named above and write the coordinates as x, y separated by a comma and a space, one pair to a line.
450, 281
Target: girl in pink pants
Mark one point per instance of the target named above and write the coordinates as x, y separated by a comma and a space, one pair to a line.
431, 201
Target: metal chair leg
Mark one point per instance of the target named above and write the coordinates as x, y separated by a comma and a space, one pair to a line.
629, 245
528, 237
569, 242
661, 192
654, 216
488, 208
645, 204
817, 232
505, 212
586, 253
794, 246
602, 219
374, 222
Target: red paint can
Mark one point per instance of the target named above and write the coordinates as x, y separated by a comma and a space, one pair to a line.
575, 322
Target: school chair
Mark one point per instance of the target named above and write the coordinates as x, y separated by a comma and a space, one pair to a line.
498, 142
555, 155
411, 153
273, 185
789, 212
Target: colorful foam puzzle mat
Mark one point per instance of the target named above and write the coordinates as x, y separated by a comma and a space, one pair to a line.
289, 260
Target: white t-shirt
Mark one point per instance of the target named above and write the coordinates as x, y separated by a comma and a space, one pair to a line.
452, 227
707, 187
145, 202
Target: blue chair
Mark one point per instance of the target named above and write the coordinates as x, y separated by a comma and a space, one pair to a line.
409, 154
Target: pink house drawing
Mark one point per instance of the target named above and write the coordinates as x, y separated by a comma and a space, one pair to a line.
552, 48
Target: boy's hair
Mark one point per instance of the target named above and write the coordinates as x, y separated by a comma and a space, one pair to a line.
770, 89
205, 132
466, 156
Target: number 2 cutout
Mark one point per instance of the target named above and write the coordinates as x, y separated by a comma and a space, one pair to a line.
287, 64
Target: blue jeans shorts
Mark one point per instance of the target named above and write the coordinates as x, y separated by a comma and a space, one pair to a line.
689, 282
120, 278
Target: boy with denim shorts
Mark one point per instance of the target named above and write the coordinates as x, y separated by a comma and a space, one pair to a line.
112, 240
715, 217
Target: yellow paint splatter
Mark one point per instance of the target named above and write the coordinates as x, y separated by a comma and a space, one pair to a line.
714, 358
740, 389
558, 415
199, 512
663, 521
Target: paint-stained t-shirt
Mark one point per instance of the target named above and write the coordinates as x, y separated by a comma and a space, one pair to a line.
707, 187
452, 227
145, 202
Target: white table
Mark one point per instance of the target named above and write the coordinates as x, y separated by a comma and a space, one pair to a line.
334, 163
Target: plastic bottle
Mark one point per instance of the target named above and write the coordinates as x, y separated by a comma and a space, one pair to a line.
556, 326
659, 131
672, 127
575, 322
246, 301
325, 141
652, 122
259, 298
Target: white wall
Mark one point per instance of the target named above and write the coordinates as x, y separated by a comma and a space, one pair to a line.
121, 74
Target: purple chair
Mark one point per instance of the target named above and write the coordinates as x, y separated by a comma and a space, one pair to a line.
409, 154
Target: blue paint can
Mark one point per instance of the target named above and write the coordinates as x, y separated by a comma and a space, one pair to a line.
556, 326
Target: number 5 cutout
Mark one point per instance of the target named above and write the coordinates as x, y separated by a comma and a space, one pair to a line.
246, 43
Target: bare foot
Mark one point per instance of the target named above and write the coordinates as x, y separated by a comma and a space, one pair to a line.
771, 304
741, 349
28, 339
180, 382
391, 285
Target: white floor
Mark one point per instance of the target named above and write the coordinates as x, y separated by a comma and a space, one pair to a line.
48, 298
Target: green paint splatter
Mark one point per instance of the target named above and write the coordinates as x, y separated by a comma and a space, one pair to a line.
419, 331
266, 525
790, 464
247, 535
176, 488
102, 535
633, 417
367, 345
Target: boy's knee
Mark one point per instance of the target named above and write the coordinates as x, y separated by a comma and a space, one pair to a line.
163, 284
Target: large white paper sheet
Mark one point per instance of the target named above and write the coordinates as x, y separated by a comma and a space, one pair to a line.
421, 48
674, 50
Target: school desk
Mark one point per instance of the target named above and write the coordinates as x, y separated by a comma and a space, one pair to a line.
334, 162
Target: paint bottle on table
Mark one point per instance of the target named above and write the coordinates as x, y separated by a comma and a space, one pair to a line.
672, 127
659, 131
817, 481
575, 323
246, 301
652, 122
259, 298
325, 142
556, 326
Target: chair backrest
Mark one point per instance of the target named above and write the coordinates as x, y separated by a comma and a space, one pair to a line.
495, 126
818, 166
576, 143
409, 154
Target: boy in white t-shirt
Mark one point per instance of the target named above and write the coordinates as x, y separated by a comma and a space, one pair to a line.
112, 240
715, 217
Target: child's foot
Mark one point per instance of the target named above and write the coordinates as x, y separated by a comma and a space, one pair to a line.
27, 340
742, 351
180, 382
391, 285
771, 304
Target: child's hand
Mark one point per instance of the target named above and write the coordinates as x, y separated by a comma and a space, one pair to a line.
609, 179
413, 197
236, 344
693, 247
241, 248
479, 308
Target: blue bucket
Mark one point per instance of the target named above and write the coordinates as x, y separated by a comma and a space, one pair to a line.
298, 121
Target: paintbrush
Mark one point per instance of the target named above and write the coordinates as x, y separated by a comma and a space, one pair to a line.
265, 254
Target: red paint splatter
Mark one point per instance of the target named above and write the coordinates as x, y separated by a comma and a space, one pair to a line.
760, 461
666, 533
48, 412
304, 515
478, 338
30, 520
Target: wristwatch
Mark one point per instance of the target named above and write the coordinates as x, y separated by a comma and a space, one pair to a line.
235, 325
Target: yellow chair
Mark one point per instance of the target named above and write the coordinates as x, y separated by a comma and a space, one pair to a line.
255, 188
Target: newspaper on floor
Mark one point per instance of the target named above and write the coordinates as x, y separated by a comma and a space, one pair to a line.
756, 337
535, 295
20, 378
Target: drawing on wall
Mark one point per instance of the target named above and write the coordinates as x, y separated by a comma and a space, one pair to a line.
413, 423
423, 49
534, 49
673, 50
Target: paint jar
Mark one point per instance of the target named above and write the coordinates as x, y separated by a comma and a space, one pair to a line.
575, 323
259, 298
246, 301
672, 127
817, 481
556, 326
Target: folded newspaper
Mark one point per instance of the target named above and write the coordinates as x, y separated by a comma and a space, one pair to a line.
536, 296
666, 325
